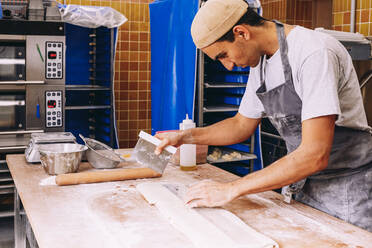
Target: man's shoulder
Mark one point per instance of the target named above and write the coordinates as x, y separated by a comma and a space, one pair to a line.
306, 42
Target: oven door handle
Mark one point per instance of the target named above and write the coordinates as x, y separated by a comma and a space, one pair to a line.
22, 82
20, 132
9, 103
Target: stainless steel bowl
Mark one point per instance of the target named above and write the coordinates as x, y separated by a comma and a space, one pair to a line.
61, 158
101, 156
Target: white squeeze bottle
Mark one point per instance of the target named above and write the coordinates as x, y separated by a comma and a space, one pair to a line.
187, 151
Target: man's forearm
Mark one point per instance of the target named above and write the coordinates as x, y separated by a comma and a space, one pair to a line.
295, 166
229, 131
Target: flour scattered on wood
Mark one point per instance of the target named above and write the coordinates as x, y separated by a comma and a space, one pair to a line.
48, 181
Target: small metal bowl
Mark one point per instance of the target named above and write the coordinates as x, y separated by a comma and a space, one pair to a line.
61, 158
101, 156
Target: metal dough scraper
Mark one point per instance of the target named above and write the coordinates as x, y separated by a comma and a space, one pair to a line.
144, 152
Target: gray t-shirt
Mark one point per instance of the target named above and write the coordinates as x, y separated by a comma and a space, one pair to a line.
323, 76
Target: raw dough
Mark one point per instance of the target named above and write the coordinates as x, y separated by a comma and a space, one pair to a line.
215, 155
208, 227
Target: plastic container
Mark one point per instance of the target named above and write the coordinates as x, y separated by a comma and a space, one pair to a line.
187, 151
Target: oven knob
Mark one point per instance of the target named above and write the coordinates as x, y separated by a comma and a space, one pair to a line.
20, 125
19, 54
49, 123
20, 75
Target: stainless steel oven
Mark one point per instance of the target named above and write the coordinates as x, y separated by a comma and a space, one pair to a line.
32, 81
12, 110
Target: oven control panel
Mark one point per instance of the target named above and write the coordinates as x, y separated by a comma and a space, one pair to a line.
53, 105
54, 60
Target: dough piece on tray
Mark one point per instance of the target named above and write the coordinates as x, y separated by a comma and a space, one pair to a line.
205, 227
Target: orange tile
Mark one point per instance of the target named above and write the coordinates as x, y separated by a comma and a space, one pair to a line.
134, 36
365, 4
346, 18
338, 19
133, 46
346, 28
364, 15
364, 28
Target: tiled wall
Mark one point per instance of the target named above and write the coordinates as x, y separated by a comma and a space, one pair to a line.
363, 16
133, 57
132, 68
289, 11
300, 12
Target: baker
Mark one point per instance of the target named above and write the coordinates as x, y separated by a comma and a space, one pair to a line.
305, 83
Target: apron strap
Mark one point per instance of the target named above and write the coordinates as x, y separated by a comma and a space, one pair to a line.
262, 74
283, 46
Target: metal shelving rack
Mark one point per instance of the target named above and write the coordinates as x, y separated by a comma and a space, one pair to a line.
90, 106
208, 112
6, 190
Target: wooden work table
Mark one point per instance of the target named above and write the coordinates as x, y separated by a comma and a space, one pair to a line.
114, 214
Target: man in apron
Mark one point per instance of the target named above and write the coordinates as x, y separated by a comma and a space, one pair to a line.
305, 83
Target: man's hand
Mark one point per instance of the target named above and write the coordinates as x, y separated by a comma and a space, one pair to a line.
209, 194
168, 138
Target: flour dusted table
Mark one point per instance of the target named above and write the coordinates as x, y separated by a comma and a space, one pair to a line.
114, 214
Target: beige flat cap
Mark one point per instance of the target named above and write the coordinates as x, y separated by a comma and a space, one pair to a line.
214, 19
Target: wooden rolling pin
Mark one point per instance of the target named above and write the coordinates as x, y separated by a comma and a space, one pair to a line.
105, 176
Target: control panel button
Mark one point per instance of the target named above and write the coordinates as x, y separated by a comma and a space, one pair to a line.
54, 60
53, 100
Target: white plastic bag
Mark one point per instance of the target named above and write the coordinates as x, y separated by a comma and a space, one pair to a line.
91, 16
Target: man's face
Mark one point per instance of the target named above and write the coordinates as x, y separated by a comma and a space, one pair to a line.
240, 53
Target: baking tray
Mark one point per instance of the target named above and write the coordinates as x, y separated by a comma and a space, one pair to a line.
226, 150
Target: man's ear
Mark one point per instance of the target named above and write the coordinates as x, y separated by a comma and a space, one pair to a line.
241, 31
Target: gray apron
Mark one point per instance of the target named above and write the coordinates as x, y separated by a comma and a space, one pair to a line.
344, 188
